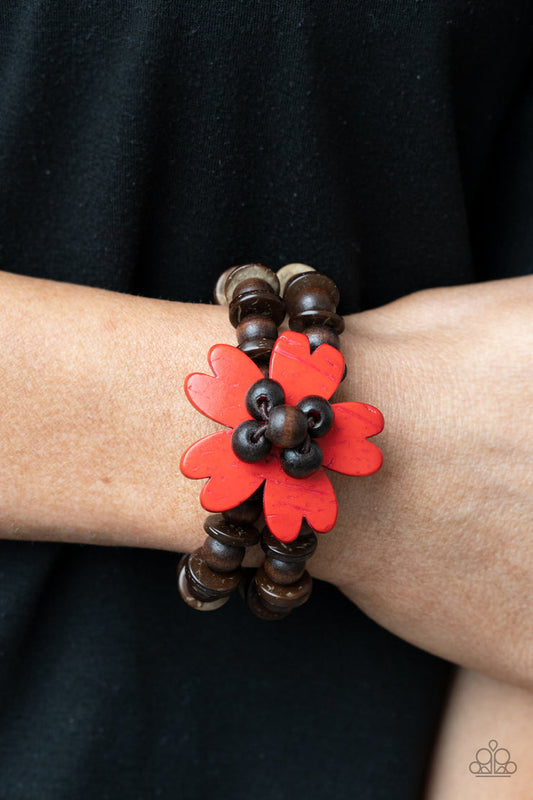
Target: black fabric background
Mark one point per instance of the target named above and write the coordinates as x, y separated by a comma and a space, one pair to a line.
145, 147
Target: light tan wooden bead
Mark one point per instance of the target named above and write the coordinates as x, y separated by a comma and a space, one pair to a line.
246, 271
219, 293
289, 271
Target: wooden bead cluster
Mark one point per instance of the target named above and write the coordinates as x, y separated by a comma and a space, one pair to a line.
293, 428
255, 309
208, 577
282, 583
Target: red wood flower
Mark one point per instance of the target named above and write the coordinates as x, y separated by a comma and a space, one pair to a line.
287, 500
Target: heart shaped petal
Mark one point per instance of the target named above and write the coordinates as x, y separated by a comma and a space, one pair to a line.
301, 372
345, 448
288, 500
221, 397
232, 481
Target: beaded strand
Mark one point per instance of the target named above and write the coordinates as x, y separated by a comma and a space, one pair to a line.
208, 577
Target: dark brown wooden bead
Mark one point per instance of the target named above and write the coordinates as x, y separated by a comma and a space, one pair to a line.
308, 319
258, 349
254, 304
319, 413
261, 609
191, 599
199, 592
222, 557
260, 327
283, 572
299, 462
197, 589
310, 300
249, 442
283, 597
262, 396
308, 281
202, 579
244, 272
245, 514
318, 335
252, 285
286, 426
229, 533
299, 550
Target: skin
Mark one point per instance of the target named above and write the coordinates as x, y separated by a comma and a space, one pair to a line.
436, 547
481, 709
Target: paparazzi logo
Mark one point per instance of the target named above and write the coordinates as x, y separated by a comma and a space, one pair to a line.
492, 762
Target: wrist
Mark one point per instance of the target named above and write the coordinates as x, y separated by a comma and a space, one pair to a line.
94, 419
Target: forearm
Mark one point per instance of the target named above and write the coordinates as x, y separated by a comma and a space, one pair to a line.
479, 710
93, 417
437, 546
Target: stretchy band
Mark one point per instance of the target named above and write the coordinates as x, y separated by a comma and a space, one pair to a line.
273, 394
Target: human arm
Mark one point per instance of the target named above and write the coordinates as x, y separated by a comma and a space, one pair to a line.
93, 418
479, 710
436, 547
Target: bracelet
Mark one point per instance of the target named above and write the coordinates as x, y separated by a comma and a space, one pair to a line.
272, 392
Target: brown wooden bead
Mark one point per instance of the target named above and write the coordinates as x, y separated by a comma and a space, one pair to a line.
222, 557
282, 597
315, 299
283, 572
248, 441
318, 335
261, 609
319, 413
189, 598
244, 272
309, 281
202, 579
197, 590
286, 426
251, 285
245, 514
289, 271
258, 349
299, 550
229, 533
259, 327
254, 304
299, 462
308, 319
